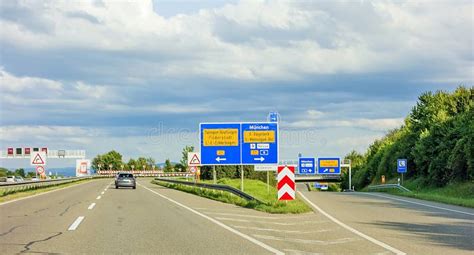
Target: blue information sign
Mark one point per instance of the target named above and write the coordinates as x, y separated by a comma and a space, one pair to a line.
259, 143
273, 117
220, 143
402, 165
306, 166
329, 166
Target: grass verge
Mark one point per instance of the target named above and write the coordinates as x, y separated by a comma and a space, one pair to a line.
8, 196
255, 188
461, 194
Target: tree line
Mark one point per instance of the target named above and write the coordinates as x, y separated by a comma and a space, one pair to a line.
437, 138
113, 160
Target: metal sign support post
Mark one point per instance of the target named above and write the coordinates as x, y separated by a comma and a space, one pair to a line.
214, 177
268, 181
350, 177
242, 178
347, 163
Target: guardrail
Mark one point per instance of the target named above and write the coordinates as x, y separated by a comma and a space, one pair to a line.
13, 187
227, 188
388, 186
139, 173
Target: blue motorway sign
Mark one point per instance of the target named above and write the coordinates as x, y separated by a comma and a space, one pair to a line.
306, 166
220, 143
259, 143
329, 166
273, 117
402, 165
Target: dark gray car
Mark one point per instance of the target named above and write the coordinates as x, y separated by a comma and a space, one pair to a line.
125, 180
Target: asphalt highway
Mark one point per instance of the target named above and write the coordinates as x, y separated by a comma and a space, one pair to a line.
95, 218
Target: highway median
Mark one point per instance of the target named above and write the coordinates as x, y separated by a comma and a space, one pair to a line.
266, 201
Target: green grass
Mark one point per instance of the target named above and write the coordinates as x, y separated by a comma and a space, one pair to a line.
461, 194
255, 188
9, 195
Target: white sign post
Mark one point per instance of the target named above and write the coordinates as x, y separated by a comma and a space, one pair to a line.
266, 168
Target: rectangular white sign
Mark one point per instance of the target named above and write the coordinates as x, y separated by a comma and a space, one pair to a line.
265, 168
82, 167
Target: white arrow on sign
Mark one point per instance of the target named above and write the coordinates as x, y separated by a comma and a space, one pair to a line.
326, 170
219, 159
261, 159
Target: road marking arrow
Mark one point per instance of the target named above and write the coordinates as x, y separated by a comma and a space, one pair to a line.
261, 159
219, 159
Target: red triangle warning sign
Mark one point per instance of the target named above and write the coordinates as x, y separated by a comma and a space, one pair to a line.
37, 160
195, 160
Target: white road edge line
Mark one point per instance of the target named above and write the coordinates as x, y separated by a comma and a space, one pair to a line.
98, 197
91, 206
249, 238
417, 203
76, 223
371, 239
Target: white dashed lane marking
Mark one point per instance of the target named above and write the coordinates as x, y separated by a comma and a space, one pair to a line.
76, 223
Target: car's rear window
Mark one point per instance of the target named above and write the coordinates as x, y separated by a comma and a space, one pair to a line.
125, 175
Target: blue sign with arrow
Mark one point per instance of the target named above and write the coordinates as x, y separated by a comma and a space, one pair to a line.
306, 166
259, 143
220, 143
402, 165
273, 117
329, 166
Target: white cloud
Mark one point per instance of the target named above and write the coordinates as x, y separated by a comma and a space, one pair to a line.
11, 83
314, 114
36, 134
86, 90
257, 39
382, 124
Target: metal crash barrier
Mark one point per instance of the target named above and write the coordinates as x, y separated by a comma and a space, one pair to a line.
221, 187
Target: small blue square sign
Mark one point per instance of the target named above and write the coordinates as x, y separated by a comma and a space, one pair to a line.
402, 166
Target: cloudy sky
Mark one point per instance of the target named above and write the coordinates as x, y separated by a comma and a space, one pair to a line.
139, 76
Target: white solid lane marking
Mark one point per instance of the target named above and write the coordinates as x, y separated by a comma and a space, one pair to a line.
298, 252
371, 239
246, 216
91, 206
98, 197
249, 238
418, 203
300, 217
76, 223
309, 241
274, 223
283, 231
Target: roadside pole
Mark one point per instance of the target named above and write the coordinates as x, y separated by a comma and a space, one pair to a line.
214, 177
350, 177
268, 181
241, 177
348, 163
